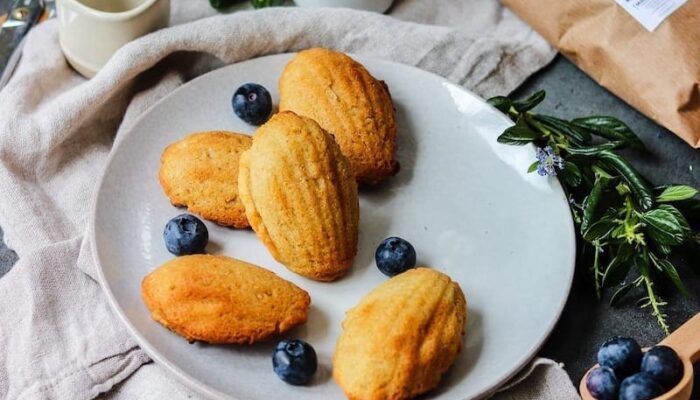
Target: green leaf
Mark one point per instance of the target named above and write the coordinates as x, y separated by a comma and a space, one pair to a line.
619, 267
518, 135
599, 230
620, 293
219, 4
664, 248
679, 217
676, 193
571, 174
502, 103
609, 128
594, 150
590, 206
665, 266
577, 135
266, 3
530, 102
664, 227
533, 167
639, 187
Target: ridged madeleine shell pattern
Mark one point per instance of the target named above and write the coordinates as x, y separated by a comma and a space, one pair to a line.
401, 338
342, 96
300, 197
218, 299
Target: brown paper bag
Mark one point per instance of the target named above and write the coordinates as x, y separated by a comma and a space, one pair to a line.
655, 72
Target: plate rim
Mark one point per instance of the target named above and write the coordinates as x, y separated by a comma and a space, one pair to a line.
212, 393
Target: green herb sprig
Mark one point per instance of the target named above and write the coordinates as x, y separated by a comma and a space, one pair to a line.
623, 221
222, 4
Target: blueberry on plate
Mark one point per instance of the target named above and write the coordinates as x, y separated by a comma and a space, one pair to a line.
252, 103
294, 361
622, 354
664, 365
602, 383
640, 386
185, 234
394, 256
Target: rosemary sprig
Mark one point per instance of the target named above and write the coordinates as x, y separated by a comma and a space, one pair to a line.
622, 220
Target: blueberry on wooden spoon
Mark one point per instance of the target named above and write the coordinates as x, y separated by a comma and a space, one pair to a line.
602, 383
622, 354
663, 363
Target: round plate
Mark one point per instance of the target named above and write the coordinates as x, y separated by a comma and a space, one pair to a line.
463, 200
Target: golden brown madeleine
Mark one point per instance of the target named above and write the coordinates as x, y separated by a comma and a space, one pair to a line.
201, 173
219, 299
401, 338
300, 197
339, 94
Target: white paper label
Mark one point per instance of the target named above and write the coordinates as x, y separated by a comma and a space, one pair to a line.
650, 13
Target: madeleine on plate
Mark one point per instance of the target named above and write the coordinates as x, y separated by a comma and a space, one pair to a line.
200, 172
341, 95
300, 197
218, 299
401, 338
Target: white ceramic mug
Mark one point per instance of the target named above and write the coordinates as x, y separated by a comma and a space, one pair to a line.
379, 6
91, 31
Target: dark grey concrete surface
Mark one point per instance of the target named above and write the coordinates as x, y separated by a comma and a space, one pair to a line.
587, 322
7, 256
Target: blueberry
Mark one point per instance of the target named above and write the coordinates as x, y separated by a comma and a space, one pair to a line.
252, 103
664, 365
641, 386
622, 354
294, 361
602, 383
394, 256
185, 234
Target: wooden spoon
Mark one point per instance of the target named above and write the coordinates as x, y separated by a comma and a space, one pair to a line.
686, 342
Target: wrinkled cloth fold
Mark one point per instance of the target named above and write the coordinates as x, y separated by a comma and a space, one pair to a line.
59, 337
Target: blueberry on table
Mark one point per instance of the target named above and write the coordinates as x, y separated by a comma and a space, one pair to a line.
294, 361
640, 386
602, 383
185, 234
394, 256
664, 365
252, 103
622, 354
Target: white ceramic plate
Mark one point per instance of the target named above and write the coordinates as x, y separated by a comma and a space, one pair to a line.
463, 200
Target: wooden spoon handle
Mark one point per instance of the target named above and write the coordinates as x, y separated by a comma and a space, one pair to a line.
686, 339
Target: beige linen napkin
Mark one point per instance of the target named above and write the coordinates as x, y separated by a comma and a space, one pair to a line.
58, 336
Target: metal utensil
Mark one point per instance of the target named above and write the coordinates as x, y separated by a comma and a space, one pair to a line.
21, 15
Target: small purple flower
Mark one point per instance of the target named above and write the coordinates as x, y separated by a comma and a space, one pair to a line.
548, 162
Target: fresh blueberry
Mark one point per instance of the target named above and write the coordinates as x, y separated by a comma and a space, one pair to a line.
602, 383
641, 386
294, 361
252, 103
663, 363
622, 354
394, 256
185, 234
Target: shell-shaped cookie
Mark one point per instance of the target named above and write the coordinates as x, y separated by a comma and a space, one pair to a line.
201, 173
219, 299
341, 95
401, 338
300, 197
